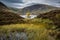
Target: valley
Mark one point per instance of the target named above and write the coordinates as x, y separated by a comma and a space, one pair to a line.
36, 22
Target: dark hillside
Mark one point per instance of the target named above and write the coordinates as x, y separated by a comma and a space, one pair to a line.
3, 7
53, 15
7, 16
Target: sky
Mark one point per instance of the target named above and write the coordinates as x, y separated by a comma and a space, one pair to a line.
25, 3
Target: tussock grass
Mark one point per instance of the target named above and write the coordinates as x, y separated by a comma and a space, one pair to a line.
36, 29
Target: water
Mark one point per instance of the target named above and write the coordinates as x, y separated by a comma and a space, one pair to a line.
31, 16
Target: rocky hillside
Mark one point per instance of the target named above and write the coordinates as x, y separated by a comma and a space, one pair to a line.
8, 17
52, 15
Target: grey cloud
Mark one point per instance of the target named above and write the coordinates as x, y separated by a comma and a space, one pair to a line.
13, 1
17, 3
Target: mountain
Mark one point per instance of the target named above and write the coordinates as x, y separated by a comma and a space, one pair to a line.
7, 16
18, 9
37, 8
2, 6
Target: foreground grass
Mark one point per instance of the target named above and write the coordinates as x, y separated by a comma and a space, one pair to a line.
35, 30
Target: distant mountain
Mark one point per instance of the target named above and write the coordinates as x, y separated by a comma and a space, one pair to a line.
18, 9
37, 8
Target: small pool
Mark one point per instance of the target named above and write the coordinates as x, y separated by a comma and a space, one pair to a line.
31, 16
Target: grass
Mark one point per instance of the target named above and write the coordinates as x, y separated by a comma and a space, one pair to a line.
36, 29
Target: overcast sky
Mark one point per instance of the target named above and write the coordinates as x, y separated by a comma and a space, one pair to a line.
25, 3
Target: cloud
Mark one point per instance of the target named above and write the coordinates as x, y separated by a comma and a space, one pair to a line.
48, 2
25, 3
13, 1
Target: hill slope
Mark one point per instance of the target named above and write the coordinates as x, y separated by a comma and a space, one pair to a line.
7, 16
52, 15
2, 7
